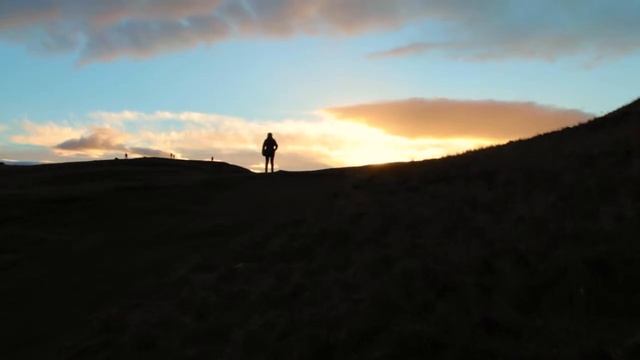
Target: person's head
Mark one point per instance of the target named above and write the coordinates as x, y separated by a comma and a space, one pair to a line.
269, 135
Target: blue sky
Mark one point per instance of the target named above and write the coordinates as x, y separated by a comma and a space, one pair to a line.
286, 63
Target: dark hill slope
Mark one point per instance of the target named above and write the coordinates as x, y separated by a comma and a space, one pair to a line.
524, 251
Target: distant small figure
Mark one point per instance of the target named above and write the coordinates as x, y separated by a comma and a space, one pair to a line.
126, 156
269, 147
212, 159
172, 156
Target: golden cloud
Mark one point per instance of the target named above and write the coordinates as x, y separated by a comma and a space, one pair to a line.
48, 134
445, 118
413, 129
305, 144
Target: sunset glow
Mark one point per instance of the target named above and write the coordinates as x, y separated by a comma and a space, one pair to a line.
339, 83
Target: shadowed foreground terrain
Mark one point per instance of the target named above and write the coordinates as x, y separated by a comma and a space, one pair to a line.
525, 251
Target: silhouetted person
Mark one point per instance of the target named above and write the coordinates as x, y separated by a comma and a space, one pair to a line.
126, 156
269, 147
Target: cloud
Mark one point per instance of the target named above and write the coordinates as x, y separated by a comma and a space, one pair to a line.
305, 144
403, 130
99, 139
445, 118
109, 29
47, 134
543, 30
81, 141
491, 29
22, 13
148, 152
405, 50
104, 140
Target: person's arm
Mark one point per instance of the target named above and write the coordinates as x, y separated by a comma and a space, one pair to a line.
276, 144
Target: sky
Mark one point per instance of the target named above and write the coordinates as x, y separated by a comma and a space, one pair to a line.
338, 82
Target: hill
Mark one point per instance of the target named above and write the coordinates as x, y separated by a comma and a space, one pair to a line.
524, 251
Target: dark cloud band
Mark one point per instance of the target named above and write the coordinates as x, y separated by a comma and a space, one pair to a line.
106, 140
108, 29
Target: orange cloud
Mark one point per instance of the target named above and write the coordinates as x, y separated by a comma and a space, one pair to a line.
444, 118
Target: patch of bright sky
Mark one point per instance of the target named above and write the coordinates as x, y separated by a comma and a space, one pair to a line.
292, 77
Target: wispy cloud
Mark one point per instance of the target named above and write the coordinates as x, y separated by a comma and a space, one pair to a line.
491, 29
405, 50
543, 30
403, 130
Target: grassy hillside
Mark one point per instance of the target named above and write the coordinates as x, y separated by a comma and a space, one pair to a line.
525, 251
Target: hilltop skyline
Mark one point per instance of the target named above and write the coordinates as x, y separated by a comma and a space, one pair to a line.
337, 82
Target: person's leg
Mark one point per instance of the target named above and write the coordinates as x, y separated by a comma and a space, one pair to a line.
266, 164
272, 163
